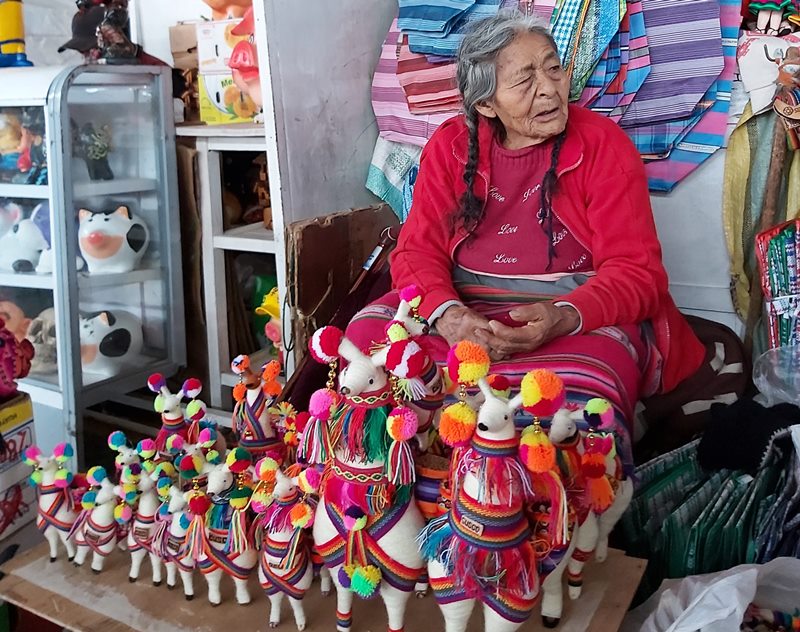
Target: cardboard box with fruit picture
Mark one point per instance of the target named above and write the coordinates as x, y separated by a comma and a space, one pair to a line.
215, 43
221, 101
18, 502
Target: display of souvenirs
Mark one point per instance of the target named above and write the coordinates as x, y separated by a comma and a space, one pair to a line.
112, 241
10, 139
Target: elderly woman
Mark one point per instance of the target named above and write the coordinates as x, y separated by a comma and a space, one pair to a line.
531, 233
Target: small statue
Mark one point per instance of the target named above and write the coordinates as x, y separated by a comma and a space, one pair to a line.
93, 145
15, 362
32, 163
113, 35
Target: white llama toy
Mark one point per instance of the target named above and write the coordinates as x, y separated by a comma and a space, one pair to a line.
95, 528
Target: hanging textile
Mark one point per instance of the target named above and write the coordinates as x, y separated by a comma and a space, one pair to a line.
392, 172
395, 120
429, 87
607, 68
708, 135
431, 16
746, 164
446, 44
600, 25
685, 56
567, 20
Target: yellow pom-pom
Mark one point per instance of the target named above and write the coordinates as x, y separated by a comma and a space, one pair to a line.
468, 362
530, 390
396, 332
457, 424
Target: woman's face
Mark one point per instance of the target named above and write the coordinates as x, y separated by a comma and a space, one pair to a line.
532, 92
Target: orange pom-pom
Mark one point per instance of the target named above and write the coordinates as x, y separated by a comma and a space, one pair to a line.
457, 424
301, 516
272, 370
550, 385
467, 362
239, 392
536, 451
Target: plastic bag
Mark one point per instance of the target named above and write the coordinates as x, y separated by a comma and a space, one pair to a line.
776, 374
717, 602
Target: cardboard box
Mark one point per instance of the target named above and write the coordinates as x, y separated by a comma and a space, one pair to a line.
183, 44
215, 44
222, 102
18, 501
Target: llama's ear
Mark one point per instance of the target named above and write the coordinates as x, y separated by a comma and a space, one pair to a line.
485, 389
515, 402
350, 352
379, 358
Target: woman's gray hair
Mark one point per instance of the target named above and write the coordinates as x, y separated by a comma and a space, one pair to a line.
477, 55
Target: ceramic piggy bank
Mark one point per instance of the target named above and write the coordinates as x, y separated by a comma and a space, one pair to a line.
110, 341
111, 242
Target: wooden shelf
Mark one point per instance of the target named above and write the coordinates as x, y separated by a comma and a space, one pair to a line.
231, 130
91, 281
25, 191
248, 238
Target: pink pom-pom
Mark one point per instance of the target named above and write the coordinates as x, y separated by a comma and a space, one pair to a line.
313, 477
207, 437
324, 344
409, 293
321, 403
156, 382
63, 450
402, 423
405, 359
32, 455
192, 387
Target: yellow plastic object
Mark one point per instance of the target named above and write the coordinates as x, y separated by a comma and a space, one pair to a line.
12, 34
270, 305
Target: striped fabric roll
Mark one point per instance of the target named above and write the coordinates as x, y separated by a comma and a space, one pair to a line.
429, 88
431, 16
600, 26
686, 58
607, 68
446, 44
708, 135
395, 120
566, 19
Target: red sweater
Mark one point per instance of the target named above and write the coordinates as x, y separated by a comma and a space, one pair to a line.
601, 198
510, 242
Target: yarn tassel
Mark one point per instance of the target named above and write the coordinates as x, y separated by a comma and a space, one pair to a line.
400, 464
315, 447
552, 489
292, 548
412, 389
599, 493
434, 540
237, 540
195, 541
161, 439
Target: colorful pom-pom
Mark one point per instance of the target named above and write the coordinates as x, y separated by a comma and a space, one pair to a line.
322, 403
301, 516
301, 420
89, 500
365, 581
238, 460
457, 424
190, 466
207, 437
542, 392
192, 387
396, 331
96, 475
599, 414
240, 497
63, 478
406, 359
354, 518
260, 501
156, 382
309, 480
271, 371
129, 474
240, 364
36, 478
165, 468
266, 468
536, 451
174, 443
196, 410
32, 455
324, 344
63, 452
117, 440
239, 392
146, 448
499, 385
402, 423
163, 485
412, 295
467, 362
123, 513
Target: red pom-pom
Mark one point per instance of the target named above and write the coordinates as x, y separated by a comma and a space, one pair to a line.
156, 382
321, 403
405, 359
324, 344
192, 387
301, 420
498, 382
199, 504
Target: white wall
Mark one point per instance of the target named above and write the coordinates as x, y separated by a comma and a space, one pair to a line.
151, 19
48, 25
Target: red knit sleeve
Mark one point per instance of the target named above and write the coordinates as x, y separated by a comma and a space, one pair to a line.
630, 278
422, 256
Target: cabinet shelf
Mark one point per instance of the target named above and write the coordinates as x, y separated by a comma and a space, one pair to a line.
28, 280
25, 191
114, 187
248, 238
31, 280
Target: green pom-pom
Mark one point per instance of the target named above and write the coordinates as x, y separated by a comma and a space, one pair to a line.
365, 581
89, 500
36, 478
213, 457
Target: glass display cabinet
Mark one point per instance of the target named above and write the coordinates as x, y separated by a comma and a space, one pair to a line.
90, 260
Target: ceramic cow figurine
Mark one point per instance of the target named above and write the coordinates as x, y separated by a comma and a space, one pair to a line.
54, 483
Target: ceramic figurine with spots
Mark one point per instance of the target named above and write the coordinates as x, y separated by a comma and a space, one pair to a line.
110, 341
112, 242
